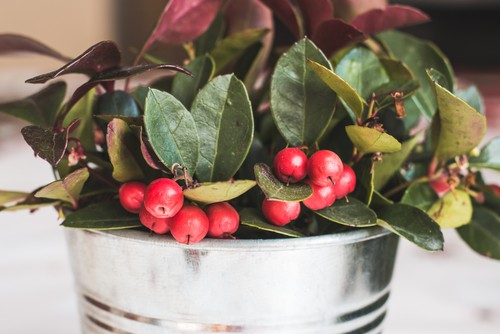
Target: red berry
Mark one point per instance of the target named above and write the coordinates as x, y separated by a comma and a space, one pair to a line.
189, 225
223, 219
324, 168
347, 182
155, 224
440, 187
131, 195
290, 165
280, 213
163, 198
321, 198
495, 188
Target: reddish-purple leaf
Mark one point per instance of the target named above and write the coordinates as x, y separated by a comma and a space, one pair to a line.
314, 13
98, 58
148, 153
334, 34
348, 9
390, 17
11, 43
48, 144
284, 11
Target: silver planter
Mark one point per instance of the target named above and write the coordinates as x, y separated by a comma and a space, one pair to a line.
135, 282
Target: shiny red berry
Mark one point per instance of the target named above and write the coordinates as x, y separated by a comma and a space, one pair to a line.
280, 213
324, 167
290, 165
163, 198
189, 225
347, 182
155, 224
440, 187
131, 195
223, 219
321, 198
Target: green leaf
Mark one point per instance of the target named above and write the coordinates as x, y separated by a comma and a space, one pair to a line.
413, 224
7, 197
223, 116
368, 140
301, 103
460, 127
483, 232
362, 69
383, 92
207, 41
185, 88
251, 218
452, 210
171, 130
117, 103
472, 97
420, 195
82, 111
274, 189
392, 162
351, 213
102, 216
343, 89
214, 192
31, 203
40, 108
419, 55
66, 190
365, 177
122, 148
489, 157
234, 45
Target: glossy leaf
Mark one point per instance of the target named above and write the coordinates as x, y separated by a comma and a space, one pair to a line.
48, 144
489, 157
122, 143
343, 89
461, 127
116, 103
130, 71
224, 120
274, 189
183, 21
365, 177
314, 13
472, 97
286, 14
390, 17
207, 41
483, 232
102, 216
406, 88
392, 162
147, 151
251, 218
335, 34
82, 111
11, 43
419, 55
66, 190
420, 195
453, 210
413, 224
171, 130
301, 104
99, 57
368, 140
185, 88
234, 45
7, 197
40, 108
351, 213
214, 192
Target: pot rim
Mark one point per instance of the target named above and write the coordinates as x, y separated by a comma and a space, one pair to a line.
248, 245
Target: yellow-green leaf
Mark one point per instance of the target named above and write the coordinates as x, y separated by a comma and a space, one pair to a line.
67, 190
368, 140
214, 192
453, 210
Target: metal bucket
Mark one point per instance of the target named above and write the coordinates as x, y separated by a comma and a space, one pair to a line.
135, 282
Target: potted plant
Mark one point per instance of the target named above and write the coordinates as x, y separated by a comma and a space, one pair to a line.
262, 186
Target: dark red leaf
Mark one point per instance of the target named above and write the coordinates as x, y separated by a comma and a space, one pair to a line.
334, 34
11, 43
98, 58
314, 13
148, 153
48, 144
390, 17
284, 11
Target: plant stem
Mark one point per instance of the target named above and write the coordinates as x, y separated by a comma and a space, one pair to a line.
403, 186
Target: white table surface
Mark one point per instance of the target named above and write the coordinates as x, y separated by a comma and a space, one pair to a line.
455, 291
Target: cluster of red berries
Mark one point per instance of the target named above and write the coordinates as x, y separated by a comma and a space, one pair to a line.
324, 171
162, 209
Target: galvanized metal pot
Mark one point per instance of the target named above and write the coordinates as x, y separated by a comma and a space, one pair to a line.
135, 282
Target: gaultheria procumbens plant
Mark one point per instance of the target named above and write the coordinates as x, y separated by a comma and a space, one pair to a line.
259, 76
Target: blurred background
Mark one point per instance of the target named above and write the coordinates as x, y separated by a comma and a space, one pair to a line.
455, 291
